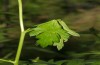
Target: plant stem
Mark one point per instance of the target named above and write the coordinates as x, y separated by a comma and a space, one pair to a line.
21, 15
22, 33
19, 48
7, 60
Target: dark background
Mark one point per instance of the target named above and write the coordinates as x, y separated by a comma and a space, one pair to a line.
83, 16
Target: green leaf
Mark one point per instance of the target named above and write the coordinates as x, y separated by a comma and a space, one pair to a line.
59, 45
63, 35
35, 60
65, 27
51, 33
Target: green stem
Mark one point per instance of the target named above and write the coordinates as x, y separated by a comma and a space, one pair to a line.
6, 60
21, 15
19, 48
21, 37
22, 33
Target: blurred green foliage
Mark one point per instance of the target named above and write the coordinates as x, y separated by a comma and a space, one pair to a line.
82, 16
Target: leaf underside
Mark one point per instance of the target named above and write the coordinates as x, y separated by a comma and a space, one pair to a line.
52, 33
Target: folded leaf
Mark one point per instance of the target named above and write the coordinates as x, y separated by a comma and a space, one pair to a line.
65, 27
